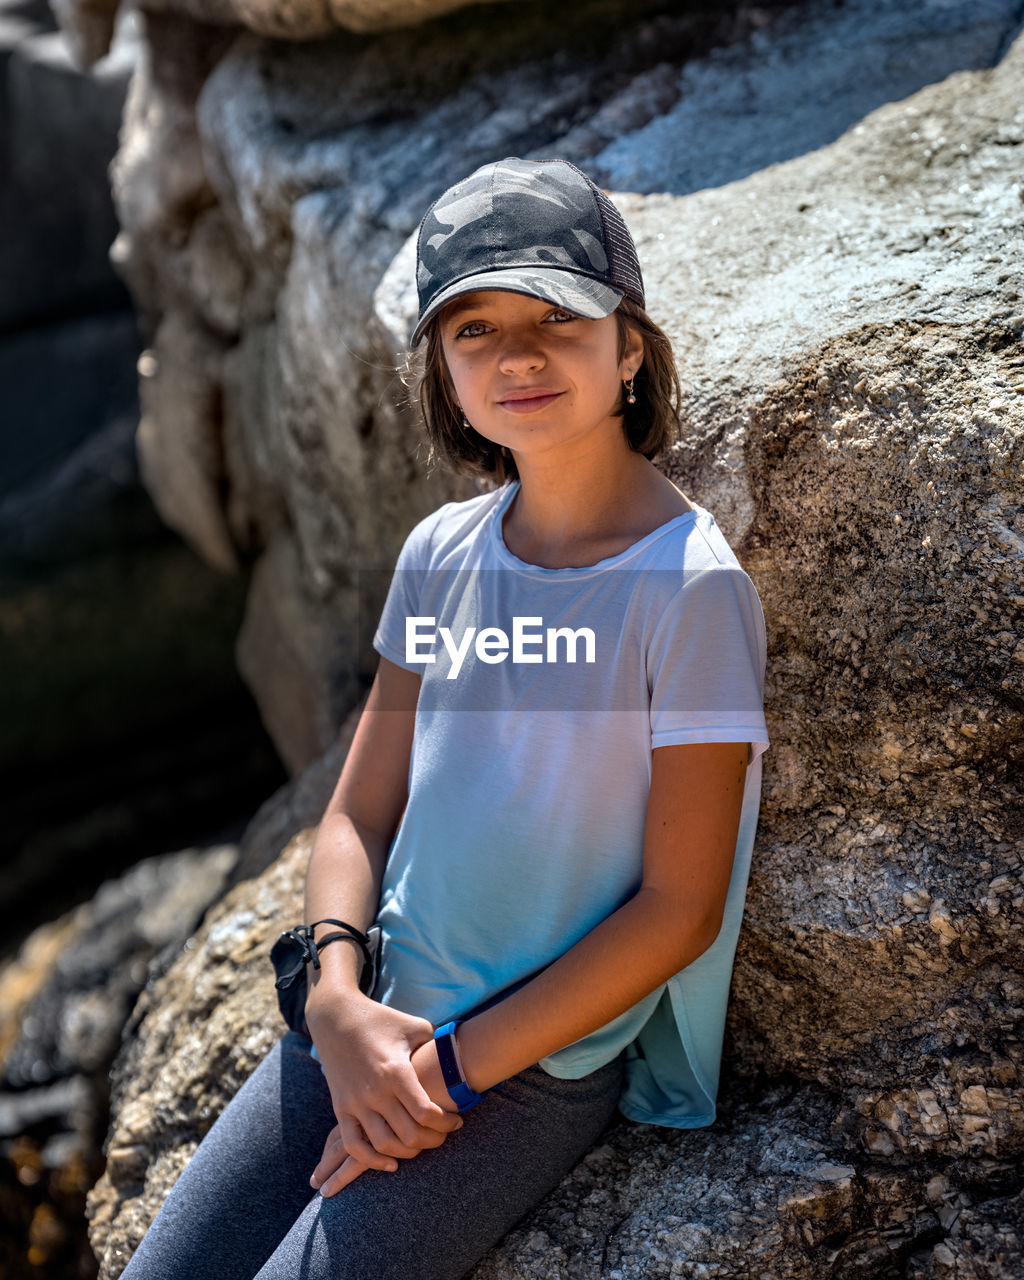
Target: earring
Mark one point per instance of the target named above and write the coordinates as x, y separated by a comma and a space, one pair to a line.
630, 393
465, 423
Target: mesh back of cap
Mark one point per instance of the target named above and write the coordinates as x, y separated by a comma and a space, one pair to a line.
622, 257
625, 266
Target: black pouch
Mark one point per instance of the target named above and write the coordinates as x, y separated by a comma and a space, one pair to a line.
295, 948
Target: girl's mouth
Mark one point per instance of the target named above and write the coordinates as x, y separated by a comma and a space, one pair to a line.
529, 401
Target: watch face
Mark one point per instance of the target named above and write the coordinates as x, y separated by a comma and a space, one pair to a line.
444, 1038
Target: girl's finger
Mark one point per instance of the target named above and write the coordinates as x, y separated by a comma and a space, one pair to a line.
414, 1135
333, 1156
431, 1116
328, 1162
422, 1109
360, 1149
349, 1171
385, 1140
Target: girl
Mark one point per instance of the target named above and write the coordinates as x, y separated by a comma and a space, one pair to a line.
549, 804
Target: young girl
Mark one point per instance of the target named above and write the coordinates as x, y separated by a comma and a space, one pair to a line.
549, 804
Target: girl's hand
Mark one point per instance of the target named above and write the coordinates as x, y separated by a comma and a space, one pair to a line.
337, 1168
383, 1110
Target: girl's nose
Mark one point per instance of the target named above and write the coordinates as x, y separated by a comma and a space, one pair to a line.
520, 352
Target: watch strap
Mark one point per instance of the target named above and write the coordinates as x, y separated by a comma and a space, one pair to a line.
455, 1082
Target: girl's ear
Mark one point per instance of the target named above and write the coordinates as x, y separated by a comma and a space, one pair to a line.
633, 351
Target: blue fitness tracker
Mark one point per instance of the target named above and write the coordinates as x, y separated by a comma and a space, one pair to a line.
451, 1068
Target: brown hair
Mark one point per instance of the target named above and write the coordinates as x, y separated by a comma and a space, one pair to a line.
650, 425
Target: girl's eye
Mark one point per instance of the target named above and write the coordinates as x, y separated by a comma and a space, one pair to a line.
561, 316
474, 329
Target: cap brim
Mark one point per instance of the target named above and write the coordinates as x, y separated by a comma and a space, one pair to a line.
586, 297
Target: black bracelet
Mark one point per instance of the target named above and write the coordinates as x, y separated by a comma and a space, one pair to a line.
296, 949
347, 932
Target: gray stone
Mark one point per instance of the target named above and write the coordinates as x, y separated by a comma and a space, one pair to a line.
73, 1024
36, 12
90, 502
299, 804
986, 1243
745, 107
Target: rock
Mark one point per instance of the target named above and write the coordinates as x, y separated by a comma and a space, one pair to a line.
984, 1244
166, 1095
91, 501
64, 1000
89, 24
181, 385
744, 107
867, 463
278, 648
848, 327
125, 728
754, 1195
297, 805
96, 960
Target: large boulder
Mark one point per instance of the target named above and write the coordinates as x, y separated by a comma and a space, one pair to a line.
848, 325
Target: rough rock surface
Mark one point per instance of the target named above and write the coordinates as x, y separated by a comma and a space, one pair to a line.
197, 1032
298, 804
849, 325
64, 1000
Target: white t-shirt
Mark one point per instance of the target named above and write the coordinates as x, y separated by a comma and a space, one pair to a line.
529, 778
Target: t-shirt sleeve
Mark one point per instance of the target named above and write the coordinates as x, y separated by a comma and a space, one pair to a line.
706, 663
404, 593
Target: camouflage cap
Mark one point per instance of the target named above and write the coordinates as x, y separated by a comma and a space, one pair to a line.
538, 227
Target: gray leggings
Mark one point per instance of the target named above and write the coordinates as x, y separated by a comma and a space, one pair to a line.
243, 1209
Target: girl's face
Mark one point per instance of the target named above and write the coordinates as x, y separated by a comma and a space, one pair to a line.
532, 376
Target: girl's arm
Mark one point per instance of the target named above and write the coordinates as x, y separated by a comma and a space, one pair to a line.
692, 822
382, 1108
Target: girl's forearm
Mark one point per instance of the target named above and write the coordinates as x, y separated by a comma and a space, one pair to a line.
623, 959
342, 883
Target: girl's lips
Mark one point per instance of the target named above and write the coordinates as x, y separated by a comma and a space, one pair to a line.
529, 402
